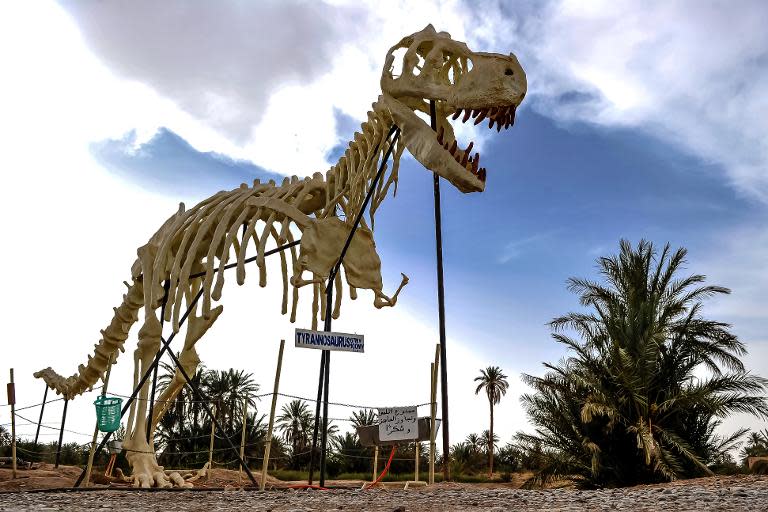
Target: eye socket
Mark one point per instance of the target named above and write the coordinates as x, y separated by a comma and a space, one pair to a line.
509, 72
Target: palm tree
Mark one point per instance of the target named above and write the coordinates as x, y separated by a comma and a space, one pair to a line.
756, 445
630, 406
185, 428
485, 440
295, 423
229, 389
493, 380
363, 418
473, 443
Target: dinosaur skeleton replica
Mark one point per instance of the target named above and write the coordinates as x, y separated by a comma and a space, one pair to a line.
471, 85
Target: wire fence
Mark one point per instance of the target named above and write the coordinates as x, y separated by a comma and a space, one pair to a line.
56, 428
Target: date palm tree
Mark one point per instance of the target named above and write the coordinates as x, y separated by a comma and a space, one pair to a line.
295, 423
648, 380
363, 417
230, 389
493, 380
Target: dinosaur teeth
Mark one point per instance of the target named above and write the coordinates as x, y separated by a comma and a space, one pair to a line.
440, 135
453, 147
467, 113
490, 123
475, 163
457, 114
481, 174
464, 158
476, 112
514, 111
469, 148
482, 115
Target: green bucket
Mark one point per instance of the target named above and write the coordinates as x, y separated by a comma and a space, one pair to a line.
108, 413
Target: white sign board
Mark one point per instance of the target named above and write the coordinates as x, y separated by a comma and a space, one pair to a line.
330, 340
398, 423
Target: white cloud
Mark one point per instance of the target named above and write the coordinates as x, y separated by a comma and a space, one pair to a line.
73, 229
251, 88
688, 76
692, 74
515, 248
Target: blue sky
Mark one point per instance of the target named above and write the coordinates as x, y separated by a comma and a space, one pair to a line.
558, 197
643, 120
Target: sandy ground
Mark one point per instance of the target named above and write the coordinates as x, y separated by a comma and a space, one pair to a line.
733, 493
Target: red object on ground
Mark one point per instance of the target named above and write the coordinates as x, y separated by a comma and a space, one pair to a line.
386, 468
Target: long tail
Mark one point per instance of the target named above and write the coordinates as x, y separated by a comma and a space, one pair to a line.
111, 343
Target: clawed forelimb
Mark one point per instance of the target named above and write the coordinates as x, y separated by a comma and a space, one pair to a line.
382, 300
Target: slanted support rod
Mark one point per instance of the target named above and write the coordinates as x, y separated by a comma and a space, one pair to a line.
160, 353
166, 288
204, 402
61, 432
42, 408
144, 378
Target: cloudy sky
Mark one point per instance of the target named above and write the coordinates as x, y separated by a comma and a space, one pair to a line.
643, 120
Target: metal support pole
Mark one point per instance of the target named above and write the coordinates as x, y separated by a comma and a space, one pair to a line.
166, 288
162, 350
268, 441
317, 418
92, 452
325, 359
42, 408
324, 447
12, 403
441, 311
61, 432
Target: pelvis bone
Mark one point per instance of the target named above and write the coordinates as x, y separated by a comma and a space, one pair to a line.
321, 244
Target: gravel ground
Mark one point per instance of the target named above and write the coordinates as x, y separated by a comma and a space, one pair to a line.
718, 493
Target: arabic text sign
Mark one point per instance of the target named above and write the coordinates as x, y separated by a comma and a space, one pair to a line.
398, 423
329, 340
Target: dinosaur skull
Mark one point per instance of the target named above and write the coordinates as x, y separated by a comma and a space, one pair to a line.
471, 85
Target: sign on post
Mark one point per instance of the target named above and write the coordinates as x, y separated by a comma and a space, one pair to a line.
322, 340
398, 424
11, 390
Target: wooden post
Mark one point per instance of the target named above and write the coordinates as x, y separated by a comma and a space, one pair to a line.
12, 402
431, 470
433, 414
242, 441
268, 442
416, 471
375, 462
92, 452
210, 447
